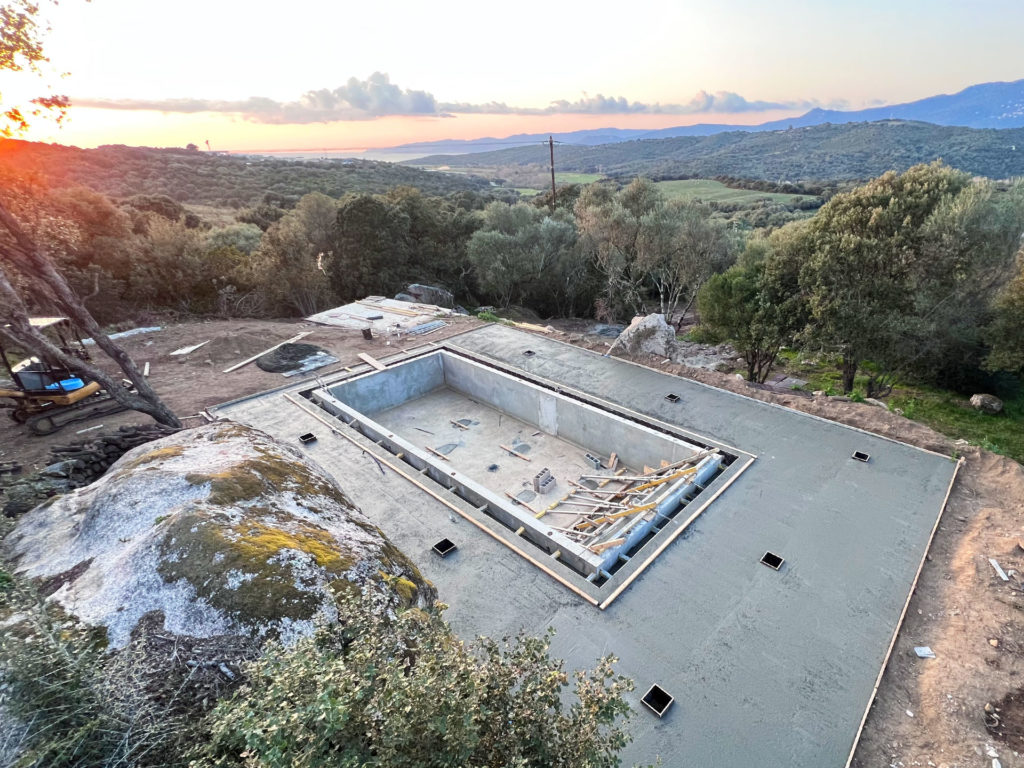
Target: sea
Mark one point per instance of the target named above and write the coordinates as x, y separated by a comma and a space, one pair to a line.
386, 156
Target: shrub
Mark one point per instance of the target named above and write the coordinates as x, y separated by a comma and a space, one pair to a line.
406, 692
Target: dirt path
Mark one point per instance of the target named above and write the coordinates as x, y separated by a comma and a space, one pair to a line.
961, 608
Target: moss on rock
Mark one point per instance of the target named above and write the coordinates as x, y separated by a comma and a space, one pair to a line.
251, 538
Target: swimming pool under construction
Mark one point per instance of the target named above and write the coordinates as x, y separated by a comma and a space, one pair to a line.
749, 565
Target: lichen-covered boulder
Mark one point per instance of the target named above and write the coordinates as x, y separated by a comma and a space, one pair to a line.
650, 335
989, 404
222, 530
427, 294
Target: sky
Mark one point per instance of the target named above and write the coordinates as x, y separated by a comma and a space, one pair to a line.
331, 75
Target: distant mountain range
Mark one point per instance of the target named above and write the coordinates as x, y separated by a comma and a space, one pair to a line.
818, 153
988, 105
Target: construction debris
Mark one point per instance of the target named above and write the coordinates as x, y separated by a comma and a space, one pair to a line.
381, 315
248, 360
372, 361
999, 571
189, 350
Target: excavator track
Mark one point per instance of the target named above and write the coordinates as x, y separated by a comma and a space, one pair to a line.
54, 419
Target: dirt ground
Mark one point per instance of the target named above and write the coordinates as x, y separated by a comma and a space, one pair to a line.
928, 712
193, 382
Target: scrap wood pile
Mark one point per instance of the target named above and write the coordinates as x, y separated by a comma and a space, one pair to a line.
601, 508
376, 313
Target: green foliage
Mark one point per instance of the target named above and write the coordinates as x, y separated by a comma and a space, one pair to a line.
289, 269
648, 251
953, 416
900, 270
704, 334
75, 705
525, 256
220, 179
757, 303
489, 317
1005, 333
244, 238
406, 692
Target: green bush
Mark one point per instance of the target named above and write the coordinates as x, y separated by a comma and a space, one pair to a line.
702, 334
405, 692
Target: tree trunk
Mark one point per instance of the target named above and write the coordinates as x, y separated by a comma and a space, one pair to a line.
849, 372
37, 268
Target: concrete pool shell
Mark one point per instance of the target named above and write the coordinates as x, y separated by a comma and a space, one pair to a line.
466, 425
765, 666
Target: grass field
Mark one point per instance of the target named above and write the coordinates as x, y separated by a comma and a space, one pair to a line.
714, 191
577, 178
944, 411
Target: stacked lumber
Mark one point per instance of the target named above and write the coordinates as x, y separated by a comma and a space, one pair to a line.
601, 513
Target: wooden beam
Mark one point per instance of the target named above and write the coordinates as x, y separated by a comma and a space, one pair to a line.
597, 549
437, 453
248, 360
393, 310
682, 463
522, 503
515, 453
616, 515
460, 426
373, 361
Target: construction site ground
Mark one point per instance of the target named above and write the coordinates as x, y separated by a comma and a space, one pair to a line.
928, 712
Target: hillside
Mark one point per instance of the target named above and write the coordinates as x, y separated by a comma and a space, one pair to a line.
219, 180
986, 105
825, 152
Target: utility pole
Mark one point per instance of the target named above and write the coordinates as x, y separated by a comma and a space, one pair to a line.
551, 144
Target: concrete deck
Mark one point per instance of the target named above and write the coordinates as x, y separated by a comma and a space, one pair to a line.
766, 667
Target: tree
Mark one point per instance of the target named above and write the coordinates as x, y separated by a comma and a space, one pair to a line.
370, 242
21, 49
407, 693
679, 248
609, 225
24, 254
756, 303
891, 264
639, 242
1005, 333
522, 255
291, 265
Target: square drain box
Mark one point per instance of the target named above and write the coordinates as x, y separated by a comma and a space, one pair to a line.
658, 700
444, 547
307, 438
772, 560
861, 456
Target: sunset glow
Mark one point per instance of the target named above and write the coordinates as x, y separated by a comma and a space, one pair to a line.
189, 73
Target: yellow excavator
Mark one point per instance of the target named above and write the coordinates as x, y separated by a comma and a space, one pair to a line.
47, 396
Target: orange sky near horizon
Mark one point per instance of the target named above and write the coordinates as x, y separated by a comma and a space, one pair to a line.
652, 57
86, 128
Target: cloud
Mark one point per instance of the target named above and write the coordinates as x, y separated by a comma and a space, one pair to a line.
378, 97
